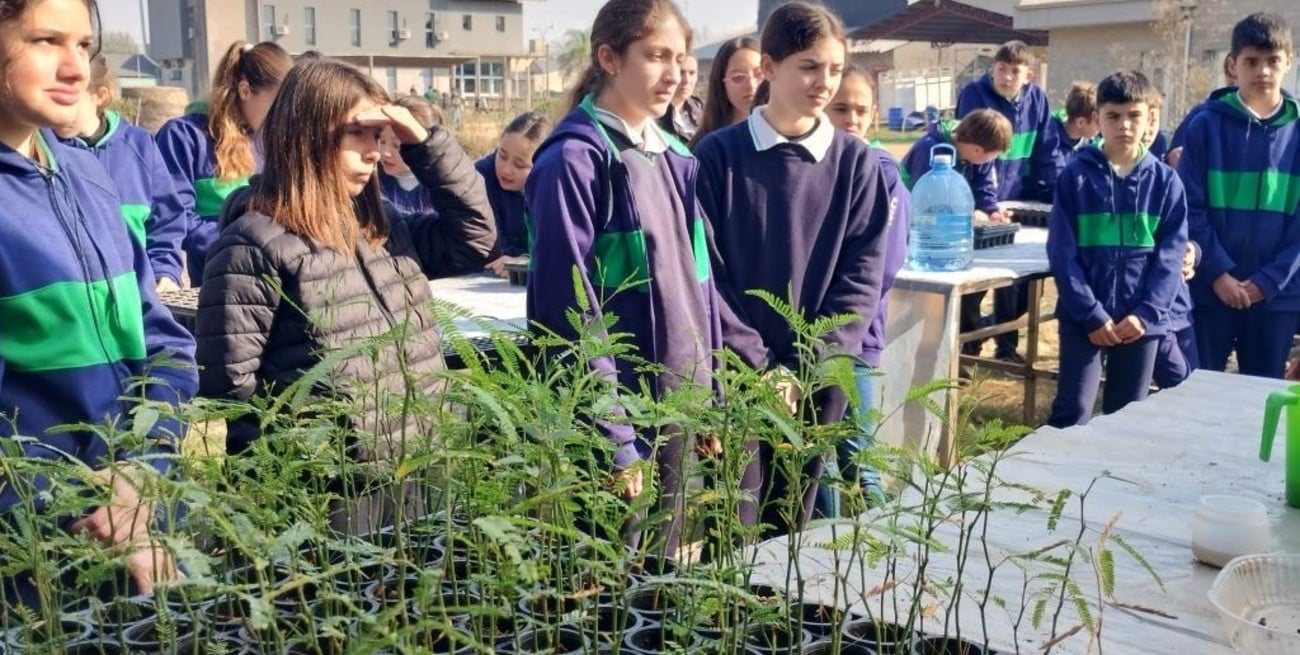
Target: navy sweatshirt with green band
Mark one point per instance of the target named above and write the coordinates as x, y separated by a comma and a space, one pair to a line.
1242, 194
1115, 244
80, 323
189, 151
1028, 170
652, 276
150, 205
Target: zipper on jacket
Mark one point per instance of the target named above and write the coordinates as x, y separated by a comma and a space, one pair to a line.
374, 293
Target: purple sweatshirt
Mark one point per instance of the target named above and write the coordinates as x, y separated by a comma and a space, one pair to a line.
802, 227
586, 219
900, 214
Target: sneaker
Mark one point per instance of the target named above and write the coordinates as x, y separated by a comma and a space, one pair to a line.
1013, 358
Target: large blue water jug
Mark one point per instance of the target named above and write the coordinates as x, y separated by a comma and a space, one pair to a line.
942, 234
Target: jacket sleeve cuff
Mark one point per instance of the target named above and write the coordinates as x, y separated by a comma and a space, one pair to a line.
1265, 285
1096, 318
1214, 265
1148, 315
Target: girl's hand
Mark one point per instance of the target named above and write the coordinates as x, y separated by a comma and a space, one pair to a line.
707, 446
407, 130
498, 267
629, 482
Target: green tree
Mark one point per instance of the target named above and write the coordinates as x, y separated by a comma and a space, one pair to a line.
118, 43
575, 52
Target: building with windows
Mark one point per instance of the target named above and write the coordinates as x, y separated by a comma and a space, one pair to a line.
466, 47
1181, 44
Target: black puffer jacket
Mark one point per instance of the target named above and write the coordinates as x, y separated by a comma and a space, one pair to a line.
273, 303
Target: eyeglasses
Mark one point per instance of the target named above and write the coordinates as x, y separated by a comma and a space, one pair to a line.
741, 78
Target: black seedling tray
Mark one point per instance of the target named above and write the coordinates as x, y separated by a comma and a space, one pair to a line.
486, 348
991, 235
517, 272
184, 306
1030, 214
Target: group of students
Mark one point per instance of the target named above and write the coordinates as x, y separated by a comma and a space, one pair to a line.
312, 209
1168, 254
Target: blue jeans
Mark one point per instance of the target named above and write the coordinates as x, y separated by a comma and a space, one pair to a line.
868, 477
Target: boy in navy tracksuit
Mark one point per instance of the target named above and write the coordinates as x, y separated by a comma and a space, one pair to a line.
1115, 242
978, 139
1240, 165
1076, 122
1028, 170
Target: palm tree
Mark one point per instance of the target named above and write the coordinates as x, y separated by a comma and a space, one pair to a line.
575, 53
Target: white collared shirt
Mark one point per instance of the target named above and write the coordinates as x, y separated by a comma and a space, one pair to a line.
766, 137
651, 141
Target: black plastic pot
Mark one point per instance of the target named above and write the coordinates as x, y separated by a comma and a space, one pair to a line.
173, 634
227, 612
113, 617
946, 646
819, 619
489, 629
828, 647
422, 548
776, 638
556, 640
651, 602
550, 607
650, 566
884, 638
656, 639
68, 630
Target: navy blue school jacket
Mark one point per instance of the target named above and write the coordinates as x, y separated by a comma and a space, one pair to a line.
981, 178
1028, 170
152, 209
1115, 244
509, 207
1242, 196
80, 323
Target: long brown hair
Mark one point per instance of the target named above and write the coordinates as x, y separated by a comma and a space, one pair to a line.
301, 186
262, 66
619, 24
717, 108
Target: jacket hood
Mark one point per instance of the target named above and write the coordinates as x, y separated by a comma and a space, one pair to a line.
582, 124
13, 163
1093, 156
1227, 103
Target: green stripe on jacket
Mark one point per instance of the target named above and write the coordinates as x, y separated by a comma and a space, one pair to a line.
68, 325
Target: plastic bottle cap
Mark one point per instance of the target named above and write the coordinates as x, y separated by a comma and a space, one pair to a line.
944, 159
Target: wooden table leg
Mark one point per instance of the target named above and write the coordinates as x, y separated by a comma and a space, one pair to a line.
1031, 351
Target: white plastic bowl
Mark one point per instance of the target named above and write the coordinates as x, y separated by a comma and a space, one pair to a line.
1258, 598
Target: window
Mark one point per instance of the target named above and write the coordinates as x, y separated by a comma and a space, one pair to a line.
467, 78
354, 26
430, 32
391, 73
268, 21
501, 23
467, 22
393, 26
426, 79
309, 27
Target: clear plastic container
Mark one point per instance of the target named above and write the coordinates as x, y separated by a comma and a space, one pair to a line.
941, 233
1225, 527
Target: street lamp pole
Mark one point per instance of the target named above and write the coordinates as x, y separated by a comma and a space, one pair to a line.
545, 33
1187, 9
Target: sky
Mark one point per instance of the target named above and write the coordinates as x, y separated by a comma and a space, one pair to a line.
720, 17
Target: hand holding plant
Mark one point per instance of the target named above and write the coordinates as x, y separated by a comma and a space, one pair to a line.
123, 523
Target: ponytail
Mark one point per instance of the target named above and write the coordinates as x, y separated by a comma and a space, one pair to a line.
261, 66
591, 82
